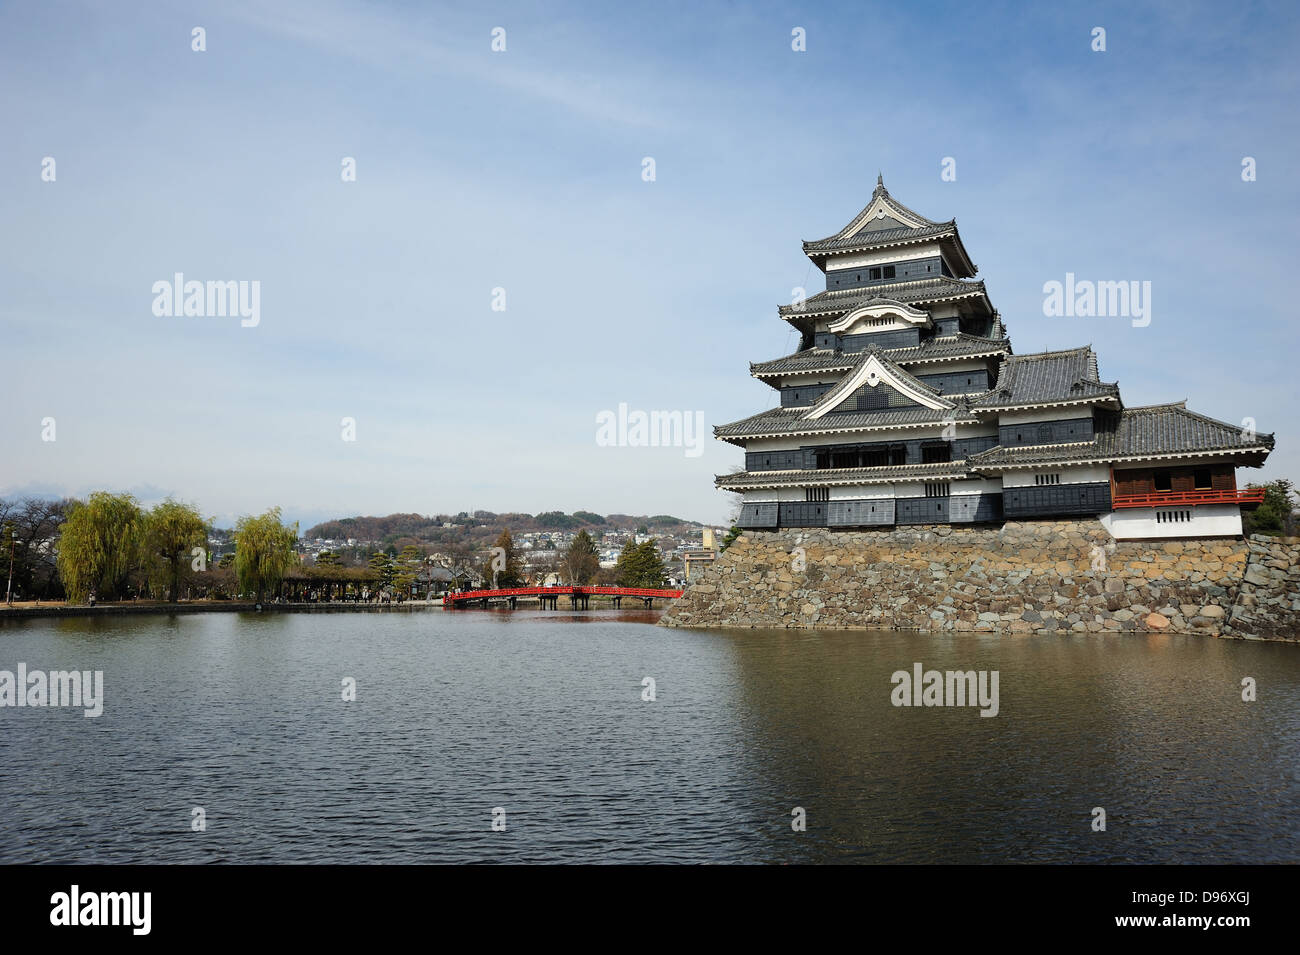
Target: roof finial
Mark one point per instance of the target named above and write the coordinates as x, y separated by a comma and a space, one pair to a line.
880, 180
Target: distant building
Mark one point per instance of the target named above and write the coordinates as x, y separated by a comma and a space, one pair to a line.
905, 405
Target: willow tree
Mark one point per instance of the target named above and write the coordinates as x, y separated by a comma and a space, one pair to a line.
264, 550
99, 546
172, 530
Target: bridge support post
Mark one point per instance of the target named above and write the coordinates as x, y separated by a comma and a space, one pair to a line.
618, 601
647, 602
512, 602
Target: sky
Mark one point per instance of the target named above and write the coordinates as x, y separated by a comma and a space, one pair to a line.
518, 178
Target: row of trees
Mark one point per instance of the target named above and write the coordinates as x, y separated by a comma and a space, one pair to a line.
108, 544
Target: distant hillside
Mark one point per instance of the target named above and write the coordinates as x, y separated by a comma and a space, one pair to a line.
397, 529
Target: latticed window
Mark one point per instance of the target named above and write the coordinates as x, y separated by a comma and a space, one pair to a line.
936, 453
871, 398
816, 494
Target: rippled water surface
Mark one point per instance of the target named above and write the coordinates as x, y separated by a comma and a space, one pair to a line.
541, 714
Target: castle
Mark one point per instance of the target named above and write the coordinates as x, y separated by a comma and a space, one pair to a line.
905, 405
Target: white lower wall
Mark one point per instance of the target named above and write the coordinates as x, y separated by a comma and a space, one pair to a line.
1092, 474
1068, 413
862, 492
1207, 520
981, 486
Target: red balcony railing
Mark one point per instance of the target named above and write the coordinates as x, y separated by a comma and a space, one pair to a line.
1171, 498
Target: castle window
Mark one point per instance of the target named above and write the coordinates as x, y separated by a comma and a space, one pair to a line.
936, 488
1044, 434
873, 274
889, 271
936, 453
1163, 481
816, 494
1043, 479
1201, 479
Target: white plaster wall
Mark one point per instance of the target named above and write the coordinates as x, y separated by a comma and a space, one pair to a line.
1090, 474
1208, 520
862, 492
1047, 414
884, 257
980, 486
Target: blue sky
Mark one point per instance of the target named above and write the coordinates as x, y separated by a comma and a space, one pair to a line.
522, 170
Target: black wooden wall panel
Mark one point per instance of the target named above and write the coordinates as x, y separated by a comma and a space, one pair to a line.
1046, 432
910, 271
757, 515
804, 513
861, 513
1056, 499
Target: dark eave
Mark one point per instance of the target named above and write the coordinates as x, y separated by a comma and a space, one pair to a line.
748, 480
788, 422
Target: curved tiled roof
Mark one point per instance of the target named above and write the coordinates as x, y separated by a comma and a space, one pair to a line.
937, 289
881, 237
1171, 429
790, 421
904, 377
960, 345
1048, 378
862, 231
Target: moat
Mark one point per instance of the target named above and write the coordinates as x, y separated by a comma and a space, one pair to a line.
543, 715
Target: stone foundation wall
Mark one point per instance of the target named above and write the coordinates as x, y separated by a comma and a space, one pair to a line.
1024, 577
1267, 605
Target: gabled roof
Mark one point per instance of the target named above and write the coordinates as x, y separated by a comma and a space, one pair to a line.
873, 368
886, 221
952, 347
937, 289
1049, 378
1135, 434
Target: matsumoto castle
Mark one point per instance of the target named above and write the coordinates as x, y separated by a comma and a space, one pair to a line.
905, 405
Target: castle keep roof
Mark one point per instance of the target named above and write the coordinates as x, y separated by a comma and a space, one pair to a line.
887, 222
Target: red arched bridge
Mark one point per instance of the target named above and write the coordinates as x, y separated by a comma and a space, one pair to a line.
579, 596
